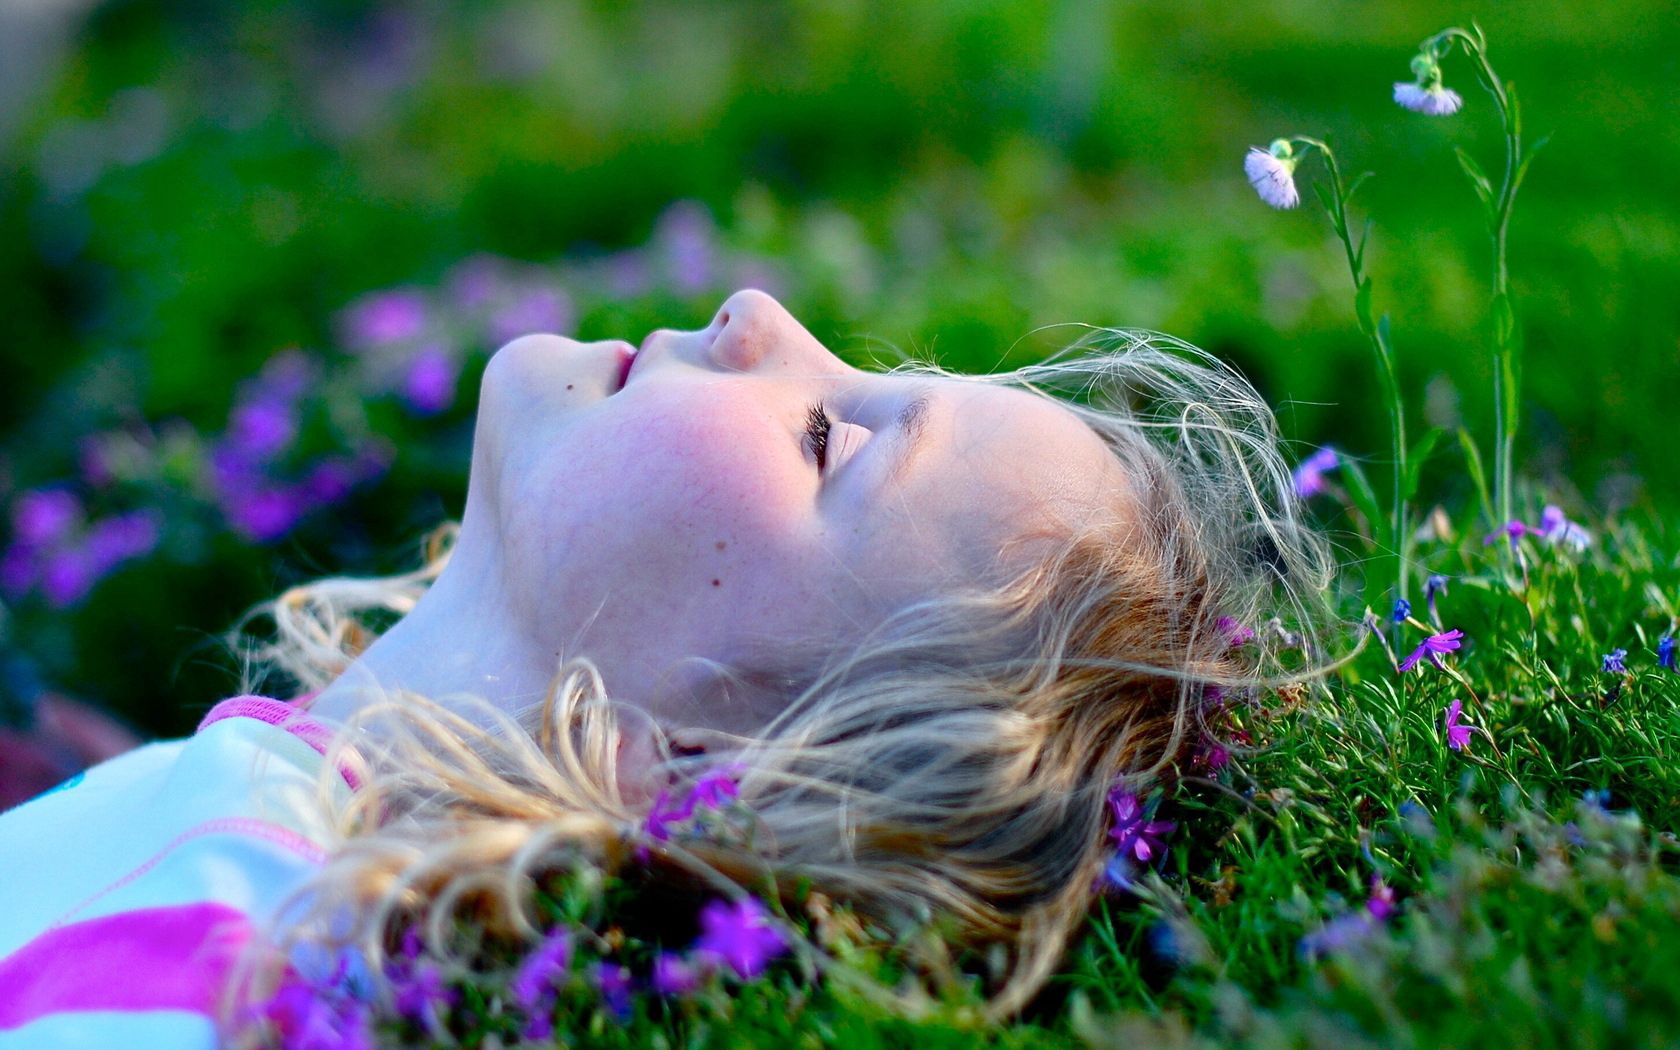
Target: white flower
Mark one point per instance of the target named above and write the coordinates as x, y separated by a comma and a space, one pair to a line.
1272, 176
1434, 100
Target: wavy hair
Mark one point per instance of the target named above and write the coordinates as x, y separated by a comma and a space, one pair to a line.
953, 764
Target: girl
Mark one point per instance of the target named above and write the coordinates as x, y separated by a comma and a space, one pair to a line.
920, 624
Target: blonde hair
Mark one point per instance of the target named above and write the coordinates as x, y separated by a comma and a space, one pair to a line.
954, 763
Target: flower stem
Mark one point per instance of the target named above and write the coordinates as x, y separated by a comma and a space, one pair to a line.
1376, 332
1506, 344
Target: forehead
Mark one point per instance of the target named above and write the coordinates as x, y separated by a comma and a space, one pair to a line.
1000, 471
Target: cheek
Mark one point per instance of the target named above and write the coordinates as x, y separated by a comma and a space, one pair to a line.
675, 497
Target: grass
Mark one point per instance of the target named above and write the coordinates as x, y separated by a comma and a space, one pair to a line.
1534, 872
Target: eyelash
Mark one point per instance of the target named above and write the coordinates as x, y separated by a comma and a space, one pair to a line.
817, 428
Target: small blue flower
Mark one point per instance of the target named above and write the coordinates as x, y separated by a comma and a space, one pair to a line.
1402, 609
1436, 584
1665, 652
1613, 661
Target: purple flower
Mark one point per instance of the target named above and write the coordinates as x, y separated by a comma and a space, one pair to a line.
385, 317
740, 934
1457, 735
67, 575
424, 994
1556, 528
19, 569
711, 791
613, 982
121, 537
1402, 609
1665, 652
542, 971
1436, 584
533, 310
306, 1017
1511, 530
263, 514
673, 976
1272, 174
43, 517
1381, 902
1133, 834
1309, 476
1432, 99
1338, 934
429, 385
1614, 661
1434, 647
1236, 634
686, 234
262, 428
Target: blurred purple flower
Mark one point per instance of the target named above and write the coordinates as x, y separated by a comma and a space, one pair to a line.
262, 428
1381, 902
1309, 476
672, 975
1402, 610
1512, 531
306, 1017
263, 514
1458, 735
1615, 661
687, 234
1431, 100
1434, 647
1435, 585
19, 569
1236, 634
711, 791
93, 462
1665, 652
386, 317
475, 281
740, 934
67, 575
429, 385
1339, 934
534, 983
613, 982
422, 995
536, 309
43, 517
285, 377
122, 537
1132, 833
1557, 528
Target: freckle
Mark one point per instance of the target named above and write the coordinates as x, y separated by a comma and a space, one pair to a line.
568, 386
721, 545
717, 583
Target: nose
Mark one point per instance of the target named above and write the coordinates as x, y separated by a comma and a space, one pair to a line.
752, 330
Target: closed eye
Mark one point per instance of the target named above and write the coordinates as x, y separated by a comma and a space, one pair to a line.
817, 429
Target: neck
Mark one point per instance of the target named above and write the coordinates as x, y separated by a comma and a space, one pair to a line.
460, 640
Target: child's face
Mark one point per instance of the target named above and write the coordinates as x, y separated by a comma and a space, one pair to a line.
685, 514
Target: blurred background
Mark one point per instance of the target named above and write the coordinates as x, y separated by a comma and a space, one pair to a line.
254, 255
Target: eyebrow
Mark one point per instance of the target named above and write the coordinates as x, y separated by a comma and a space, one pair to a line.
906, 439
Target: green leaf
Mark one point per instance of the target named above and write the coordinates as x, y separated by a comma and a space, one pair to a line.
1364, 500
1358, 180
1478, 476
1478, 180
1415, 460
1528, 158
1362, 308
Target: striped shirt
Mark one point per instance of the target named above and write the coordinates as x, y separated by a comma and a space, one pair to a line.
127, 892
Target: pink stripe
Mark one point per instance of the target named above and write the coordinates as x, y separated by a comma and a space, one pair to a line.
284, 716
150, 959
283, 837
